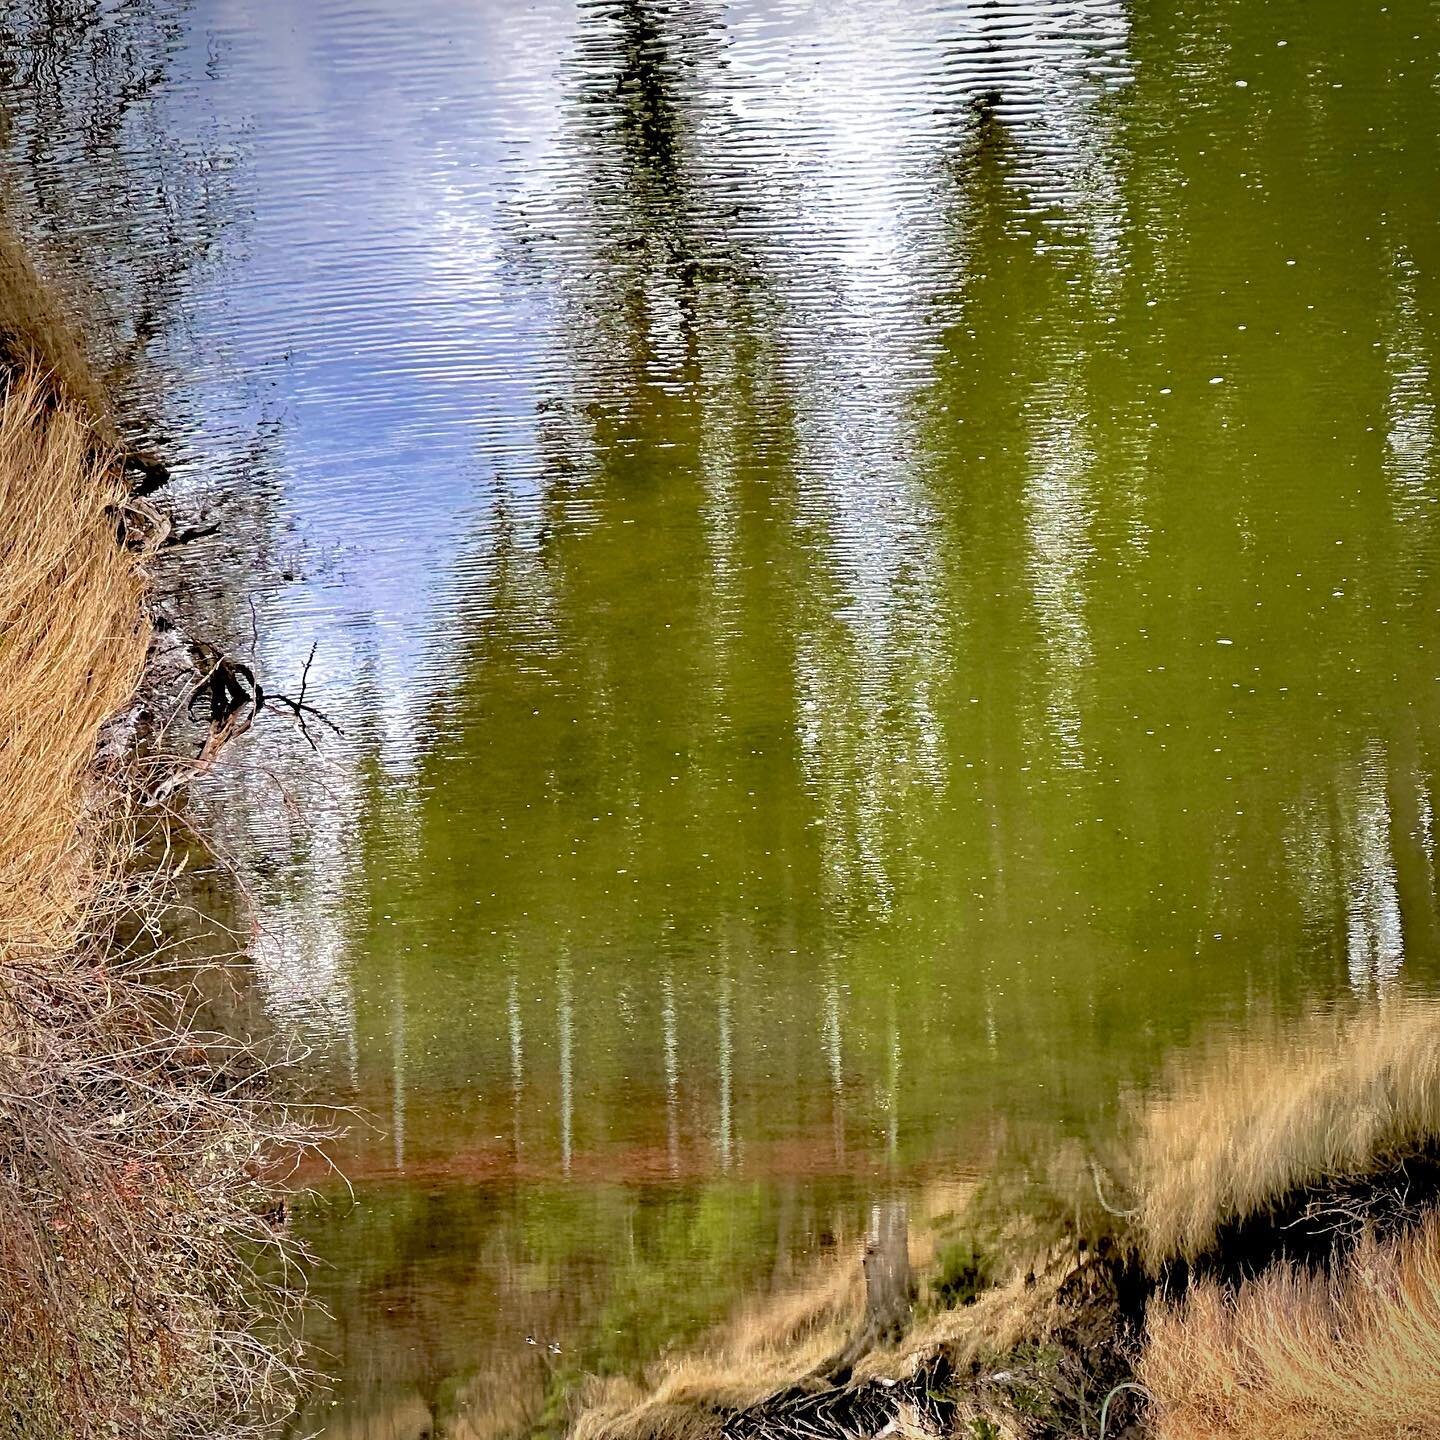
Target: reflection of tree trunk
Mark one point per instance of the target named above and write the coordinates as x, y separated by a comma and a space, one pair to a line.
887, 1290
397, 1064
565, 1019
727, 1058
1413, 878
780, 1274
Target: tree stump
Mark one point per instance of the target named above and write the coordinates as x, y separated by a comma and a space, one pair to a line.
888, 1289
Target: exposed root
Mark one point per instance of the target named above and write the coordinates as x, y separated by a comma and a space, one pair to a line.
230, 699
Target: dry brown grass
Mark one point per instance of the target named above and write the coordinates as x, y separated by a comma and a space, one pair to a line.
1251, 1123
73, 636
139, 1158
765, 1346
1299, 1356
35, 334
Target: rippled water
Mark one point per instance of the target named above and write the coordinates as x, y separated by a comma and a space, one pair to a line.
877, 563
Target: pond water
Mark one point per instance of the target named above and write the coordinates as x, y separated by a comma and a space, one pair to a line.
878, 565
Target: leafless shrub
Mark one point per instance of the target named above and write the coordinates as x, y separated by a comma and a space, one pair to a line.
147, 1281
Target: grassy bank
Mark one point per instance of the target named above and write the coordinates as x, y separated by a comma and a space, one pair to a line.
138, 1156
1288, 1192
1251, 1132
1297, 1353
1260, 1255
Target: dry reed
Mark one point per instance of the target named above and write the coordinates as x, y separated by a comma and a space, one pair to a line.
1296, 1355
1336, 1097
73, 636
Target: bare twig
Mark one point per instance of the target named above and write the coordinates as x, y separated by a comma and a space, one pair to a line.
299, 707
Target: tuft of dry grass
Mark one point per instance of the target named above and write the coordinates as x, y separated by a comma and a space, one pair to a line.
73, 637
1295, 1355
1336, 1097
35, 334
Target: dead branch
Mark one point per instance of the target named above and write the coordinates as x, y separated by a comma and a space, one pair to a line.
300, 708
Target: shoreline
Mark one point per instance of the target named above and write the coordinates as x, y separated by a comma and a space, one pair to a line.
1279, 1252
144, 1266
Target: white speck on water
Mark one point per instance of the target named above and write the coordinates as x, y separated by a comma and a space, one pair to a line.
1242, 84
1217, 379
1164, 389
1224, 642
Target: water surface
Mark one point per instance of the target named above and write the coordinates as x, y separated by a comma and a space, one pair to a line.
877, 563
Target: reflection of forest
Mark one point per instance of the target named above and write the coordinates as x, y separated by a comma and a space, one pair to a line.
888, 705
851, 675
